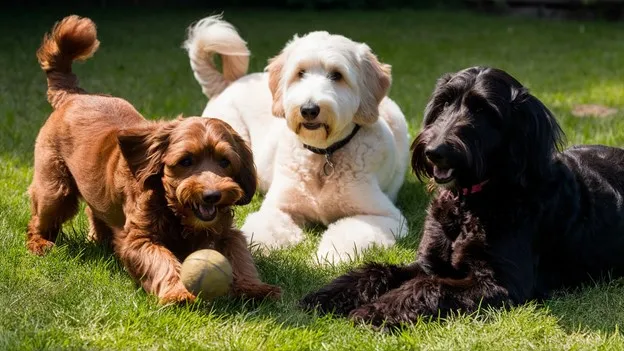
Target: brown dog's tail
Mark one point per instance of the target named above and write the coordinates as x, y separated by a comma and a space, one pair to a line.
73, 38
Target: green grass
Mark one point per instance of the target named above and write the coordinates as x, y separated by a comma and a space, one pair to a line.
79, 297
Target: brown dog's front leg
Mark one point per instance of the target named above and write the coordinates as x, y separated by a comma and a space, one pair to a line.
246, 282
153, 265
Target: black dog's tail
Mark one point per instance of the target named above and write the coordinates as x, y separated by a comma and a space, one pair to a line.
73, 38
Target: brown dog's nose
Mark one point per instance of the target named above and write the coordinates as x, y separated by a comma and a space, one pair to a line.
212, 196
310, 111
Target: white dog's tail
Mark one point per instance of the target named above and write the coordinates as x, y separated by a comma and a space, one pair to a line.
211, 36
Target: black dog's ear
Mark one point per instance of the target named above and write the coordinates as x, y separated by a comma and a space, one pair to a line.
419, 160
143, 148
534, 137
434, 105
432, 110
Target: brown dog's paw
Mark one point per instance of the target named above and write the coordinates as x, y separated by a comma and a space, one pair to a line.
272, 291
39, 246
256, 291
177, 296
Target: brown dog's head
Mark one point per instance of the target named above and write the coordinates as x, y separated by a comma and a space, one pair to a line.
203, 164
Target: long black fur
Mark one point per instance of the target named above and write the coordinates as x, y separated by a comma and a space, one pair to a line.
545, 219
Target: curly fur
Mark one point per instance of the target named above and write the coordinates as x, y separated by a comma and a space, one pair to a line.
156, 191
349, 85
544, 220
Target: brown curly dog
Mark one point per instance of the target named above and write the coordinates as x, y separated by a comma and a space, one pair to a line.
156, 190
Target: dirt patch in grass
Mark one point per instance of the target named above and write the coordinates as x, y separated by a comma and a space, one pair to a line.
593, 110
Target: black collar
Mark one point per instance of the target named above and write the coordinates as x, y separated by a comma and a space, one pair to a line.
335, 146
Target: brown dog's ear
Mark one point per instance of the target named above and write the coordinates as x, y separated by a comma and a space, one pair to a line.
274, 69
246, 177
376, 80
143, 148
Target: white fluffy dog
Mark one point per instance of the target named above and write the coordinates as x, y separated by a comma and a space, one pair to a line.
329, 146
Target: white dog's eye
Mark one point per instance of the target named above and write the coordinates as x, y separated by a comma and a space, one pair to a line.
301, 73
335, 76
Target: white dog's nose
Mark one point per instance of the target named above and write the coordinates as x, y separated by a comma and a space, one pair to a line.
310, 111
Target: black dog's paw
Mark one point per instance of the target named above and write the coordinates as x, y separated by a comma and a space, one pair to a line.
368, 314
373, 315
327, 301
312, 301
358, 287
382, 317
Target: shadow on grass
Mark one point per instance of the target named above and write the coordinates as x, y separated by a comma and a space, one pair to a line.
596, 306
293, 275
413, 200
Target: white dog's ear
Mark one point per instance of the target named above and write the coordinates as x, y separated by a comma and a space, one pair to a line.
376, 80
275, 68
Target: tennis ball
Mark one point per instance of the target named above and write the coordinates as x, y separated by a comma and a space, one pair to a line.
207, 273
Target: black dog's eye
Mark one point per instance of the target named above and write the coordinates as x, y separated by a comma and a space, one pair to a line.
335, 76
224, 163
477, 105
186, 161
301, 73
446, 105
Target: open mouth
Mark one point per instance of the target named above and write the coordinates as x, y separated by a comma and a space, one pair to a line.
311, 126
205, 212
443, 175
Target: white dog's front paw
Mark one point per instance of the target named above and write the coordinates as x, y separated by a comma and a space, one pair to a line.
330, 252
271, 230
349, 237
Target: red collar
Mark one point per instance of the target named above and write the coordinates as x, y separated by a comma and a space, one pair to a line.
474, 189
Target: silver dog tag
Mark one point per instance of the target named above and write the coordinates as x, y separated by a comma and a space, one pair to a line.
328, 167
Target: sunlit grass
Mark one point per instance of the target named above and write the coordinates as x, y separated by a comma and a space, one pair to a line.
79, 296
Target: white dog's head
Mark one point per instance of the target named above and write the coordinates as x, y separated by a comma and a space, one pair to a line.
323, 84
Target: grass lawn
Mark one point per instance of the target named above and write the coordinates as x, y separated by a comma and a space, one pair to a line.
79, 297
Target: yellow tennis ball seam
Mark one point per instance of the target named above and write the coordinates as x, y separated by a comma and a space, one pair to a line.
211, 263
197, 286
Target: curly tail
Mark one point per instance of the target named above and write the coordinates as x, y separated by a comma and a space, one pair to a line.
73, 38
211, 36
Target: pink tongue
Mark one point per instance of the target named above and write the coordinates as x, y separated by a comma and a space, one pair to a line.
207, 211
442, 173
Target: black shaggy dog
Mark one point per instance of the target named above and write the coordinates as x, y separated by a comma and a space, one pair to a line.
513, 217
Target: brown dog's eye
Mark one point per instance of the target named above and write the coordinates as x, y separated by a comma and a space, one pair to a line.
335, 76
186, 162
301, 73
224, 163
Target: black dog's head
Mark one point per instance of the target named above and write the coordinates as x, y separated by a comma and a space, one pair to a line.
482, 124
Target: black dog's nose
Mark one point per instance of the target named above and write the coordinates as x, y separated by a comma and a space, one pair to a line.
437, 153
310, 111
212, 197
